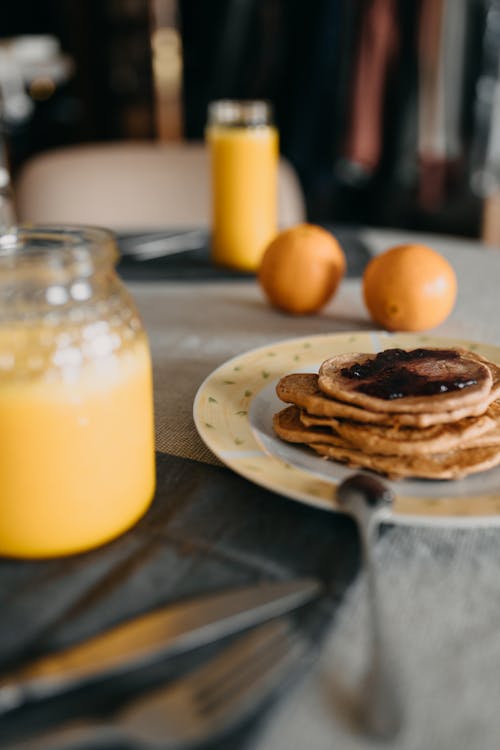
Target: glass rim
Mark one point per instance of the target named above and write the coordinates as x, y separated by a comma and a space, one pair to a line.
59, 245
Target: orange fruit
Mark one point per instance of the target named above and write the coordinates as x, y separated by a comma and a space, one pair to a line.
301, 269
409, 288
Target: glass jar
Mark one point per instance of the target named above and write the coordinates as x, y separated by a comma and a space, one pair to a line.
76, 408
244, 154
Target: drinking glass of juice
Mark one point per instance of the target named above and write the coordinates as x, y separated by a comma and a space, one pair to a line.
76, 409
244, 154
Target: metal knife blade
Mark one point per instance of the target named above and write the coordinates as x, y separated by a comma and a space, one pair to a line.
166, 631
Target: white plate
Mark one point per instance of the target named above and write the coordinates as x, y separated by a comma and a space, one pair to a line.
233, 413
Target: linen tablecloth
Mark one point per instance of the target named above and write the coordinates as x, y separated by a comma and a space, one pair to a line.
209, 528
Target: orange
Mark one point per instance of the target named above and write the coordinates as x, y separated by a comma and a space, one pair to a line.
301, 269
409, 288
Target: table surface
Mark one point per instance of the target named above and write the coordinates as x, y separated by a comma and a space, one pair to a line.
209, 528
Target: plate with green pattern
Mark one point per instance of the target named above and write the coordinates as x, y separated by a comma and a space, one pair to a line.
233, 413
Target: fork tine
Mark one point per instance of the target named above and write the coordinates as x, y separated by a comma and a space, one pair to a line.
247, 688
238, 655
244, 670
207, 677
265, 670
194, 692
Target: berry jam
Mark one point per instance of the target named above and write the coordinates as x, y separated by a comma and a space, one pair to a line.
396, 373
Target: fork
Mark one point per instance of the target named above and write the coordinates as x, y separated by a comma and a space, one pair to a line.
196, 708
380, 710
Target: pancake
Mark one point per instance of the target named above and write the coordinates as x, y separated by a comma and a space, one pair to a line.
477, 453
428, 413
418, 380
487, 440
397, 440
480, 454
451, 465
287, 426
302, 390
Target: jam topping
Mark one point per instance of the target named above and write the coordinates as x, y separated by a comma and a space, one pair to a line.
396, 373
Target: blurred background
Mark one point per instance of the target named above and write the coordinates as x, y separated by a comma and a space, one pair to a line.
389, 110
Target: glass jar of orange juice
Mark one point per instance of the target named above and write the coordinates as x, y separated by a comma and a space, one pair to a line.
244, 155
76, 413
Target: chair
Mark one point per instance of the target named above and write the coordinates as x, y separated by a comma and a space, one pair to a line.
490, 227
131, 186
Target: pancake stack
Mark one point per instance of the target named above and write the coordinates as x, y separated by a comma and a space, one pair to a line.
429, 413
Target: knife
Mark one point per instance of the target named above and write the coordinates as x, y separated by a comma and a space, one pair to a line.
170, 630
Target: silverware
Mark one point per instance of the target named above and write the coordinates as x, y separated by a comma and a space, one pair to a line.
196, 708
380, 710
170, 630
151, 246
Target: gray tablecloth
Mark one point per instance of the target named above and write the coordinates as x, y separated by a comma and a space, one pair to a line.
441, 587
209, 528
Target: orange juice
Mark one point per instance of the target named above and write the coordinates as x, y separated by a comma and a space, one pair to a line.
244, 191
77, 456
